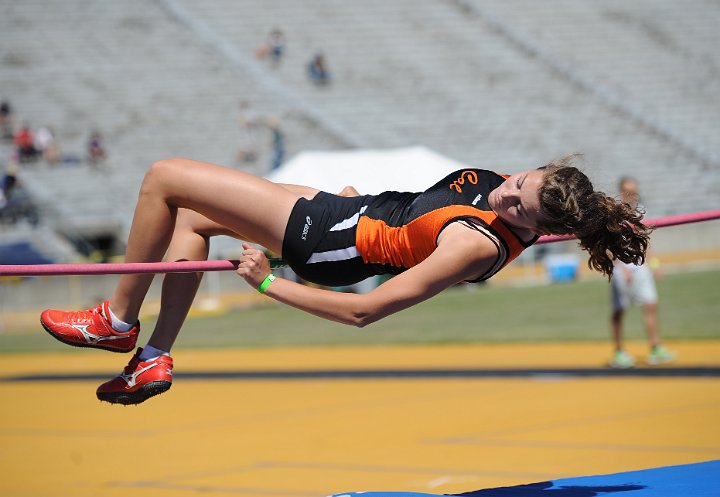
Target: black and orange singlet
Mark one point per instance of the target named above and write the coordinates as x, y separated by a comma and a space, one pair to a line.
399, 230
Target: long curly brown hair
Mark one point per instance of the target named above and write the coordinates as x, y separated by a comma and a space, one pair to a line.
607, 228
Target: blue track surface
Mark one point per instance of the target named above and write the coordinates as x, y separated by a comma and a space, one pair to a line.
689, 480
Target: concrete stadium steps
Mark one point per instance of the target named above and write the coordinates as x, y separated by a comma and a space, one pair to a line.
131, 72
80, 199
644, 52
43, 239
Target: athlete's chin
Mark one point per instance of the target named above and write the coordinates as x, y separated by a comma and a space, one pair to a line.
509, 220
491, 200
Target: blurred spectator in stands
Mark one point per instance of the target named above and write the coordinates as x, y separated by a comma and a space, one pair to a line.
7, 187
276, 44
25, 144
15, 203
273, 49
278, 143
95, 149
46, 145
6, 120
9, 181
635, 284
249, 125
317, 71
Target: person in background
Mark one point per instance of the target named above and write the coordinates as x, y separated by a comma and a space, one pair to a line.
276, 46
273, 49
95, 149
7, 185
318, 72
6, 120
25, 144
278, 142
249, 122
635, 284
46, 145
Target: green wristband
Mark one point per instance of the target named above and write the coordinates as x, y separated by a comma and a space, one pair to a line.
266, 283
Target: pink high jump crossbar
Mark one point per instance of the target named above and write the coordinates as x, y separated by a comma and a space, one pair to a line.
231, 265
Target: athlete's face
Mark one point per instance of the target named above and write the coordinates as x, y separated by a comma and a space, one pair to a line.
517, 200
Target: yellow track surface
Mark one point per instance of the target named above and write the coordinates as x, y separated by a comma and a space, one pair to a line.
314, 437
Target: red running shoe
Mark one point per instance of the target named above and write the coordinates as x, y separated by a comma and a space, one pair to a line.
90, 328
139, 381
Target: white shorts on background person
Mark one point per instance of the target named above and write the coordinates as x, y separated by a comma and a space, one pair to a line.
639, 290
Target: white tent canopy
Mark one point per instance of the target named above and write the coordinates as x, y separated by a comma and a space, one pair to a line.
369, 171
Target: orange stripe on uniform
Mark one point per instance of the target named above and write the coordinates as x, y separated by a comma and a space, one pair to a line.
408, 245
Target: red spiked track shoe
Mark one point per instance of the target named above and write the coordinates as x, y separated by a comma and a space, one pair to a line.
89, 328
139, 381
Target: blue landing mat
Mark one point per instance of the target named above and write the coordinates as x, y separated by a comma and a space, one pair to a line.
689, 480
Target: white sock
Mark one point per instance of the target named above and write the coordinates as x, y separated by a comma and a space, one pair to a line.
118, 324
149, 352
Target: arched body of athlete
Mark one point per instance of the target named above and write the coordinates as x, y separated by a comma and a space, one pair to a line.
465, 228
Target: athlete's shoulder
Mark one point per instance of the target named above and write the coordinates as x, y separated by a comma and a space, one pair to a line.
472, 176
475, 170
476, 173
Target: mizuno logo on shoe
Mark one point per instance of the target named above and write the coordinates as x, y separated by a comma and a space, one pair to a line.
131, 379
90, 337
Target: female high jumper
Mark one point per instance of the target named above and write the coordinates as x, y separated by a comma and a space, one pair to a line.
465, 228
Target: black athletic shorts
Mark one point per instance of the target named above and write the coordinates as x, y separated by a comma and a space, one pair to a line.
319, 243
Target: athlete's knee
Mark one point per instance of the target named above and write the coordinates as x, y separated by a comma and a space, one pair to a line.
157, 174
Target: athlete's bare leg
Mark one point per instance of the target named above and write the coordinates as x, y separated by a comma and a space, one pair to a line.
190, 242
239, 202
617, 318
650, 314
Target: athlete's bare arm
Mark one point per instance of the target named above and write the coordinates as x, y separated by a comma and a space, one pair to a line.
461, 255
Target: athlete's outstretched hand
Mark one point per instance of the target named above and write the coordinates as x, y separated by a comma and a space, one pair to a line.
254, 266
